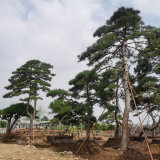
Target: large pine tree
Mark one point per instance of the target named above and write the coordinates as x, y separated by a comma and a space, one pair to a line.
120, 39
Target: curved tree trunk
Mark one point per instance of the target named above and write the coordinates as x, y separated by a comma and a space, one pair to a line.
124, 143
11, 125
60, 122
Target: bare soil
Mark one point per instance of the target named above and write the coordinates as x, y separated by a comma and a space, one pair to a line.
88, 148
137, 151
28, 152
91, 150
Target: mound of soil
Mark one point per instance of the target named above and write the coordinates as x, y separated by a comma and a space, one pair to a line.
155, 149
142, 147
107, 154
111, 154
98, 138
9, 138
137, 151
112, 142
89, 147
133, 154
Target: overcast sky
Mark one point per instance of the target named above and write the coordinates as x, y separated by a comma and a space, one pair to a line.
56, 31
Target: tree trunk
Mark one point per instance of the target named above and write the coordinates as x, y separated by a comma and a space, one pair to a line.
30, 117
31, 124
34, 111
60, 122
116, 117
60, 128
12, 125
8, 126
78, 132
88, 127
89, 114
124, 143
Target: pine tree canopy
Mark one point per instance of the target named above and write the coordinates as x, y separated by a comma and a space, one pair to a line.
63, 105
147, 72
30, 78
124, 27
149, 59
58, 92
16, 110
83, 84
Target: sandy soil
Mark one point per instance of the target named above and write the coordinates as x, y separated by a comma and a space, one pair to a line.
27, 152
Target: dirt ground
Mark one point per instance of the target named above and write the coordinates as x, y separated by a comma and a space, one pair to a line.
137, 150
90, 151
28, 152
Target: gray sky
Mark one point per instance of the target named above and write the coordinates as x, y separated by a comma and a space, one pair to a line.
56, 31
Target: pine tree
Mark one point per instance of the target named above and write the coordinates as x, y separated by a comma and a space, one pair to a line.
107, 84
120, 39
28, 80
83, 87
13, 113
66, 109
61, 105
147, 78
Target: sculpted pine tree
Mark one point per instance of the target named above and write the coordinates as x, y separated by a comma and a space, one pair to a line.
28, 80
61, 105
66, 109
13, 113
120, 39
83, 87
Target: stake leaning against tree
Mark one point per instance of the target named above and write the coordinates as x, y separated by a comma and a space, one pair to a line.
145, 136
